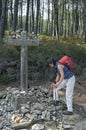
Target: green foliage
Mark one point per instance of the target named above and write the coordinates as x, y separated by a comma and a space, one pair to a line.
45, 38
56, 50
8, 51
72, 40
43, 52
4, 79
50, 47
7, 33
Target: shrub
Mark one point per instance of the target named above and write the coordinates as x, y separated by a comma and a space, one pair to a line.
8, 51
4, 79
44, 38
7, 33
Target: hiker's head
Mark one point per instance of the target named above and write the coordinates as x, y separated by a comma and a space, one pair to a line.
51, 62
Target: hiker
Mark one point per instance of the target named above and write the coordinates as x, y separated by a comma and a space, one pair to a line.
64, 78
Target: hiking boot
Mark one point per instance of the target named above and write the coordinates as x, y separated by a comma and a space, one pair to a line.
68, 113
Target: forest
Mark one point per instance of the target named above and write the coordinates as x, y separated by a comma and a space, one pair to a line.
59, 18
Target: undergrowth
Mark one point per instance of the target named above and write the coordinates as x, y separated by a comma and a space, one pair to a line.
4, 79
49, 47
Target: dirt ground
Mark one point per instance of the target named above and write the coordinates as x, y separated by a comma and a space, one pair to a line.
80, 95
80, 100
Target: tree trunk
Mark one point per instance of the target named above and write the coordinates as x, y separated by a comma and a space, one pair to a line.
48, 21
73, 19
6, 19
30, 28
42, 20
0, 8
84, 19
21, 5
52, 25
81, 21
27, 13
77, 18
65, 28
37, 16
62, 18
69, 20
3, 19
11, 10
32, 16
15, 18
56, 18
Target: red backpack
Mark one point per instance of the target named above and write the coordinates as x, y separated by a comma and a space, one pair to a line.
67, 61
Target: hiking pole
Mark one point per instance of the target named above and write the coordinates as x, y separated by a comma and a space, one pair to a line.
55, 108
56, 122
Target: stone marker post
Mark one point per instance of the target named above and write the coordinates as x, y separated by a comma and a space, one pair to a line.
24, 62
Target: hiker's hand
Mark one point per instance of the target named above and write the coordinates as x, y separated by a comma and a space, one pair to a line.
53, 85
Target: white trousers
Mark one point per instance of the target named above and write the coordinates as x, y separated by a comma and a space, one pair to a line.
69, 83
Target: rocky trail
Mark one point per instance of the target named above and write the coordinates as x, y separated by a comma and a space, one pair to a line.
34, 110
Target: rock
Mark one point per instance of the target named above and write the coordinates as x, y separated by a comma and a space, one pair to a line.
17, 100
38, 106
2, 95
81, 125
67, 127
22, 125
24, 110
1, 126
72, 119
35, 107
38, 127
29, 116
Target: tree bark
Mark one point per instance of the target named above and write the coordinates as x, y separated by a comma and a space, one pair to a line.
11, 10
52, 25
3, 19
73, 18
32, 16
15, 18
48, 21
37, 16
0, 8
20, 22
62, 18
65, 26
77, 18
56, 28
69, 20
84, 19
27, 13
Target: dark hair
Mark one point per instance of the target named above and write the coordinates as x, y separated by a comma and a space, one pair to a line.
51, 60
